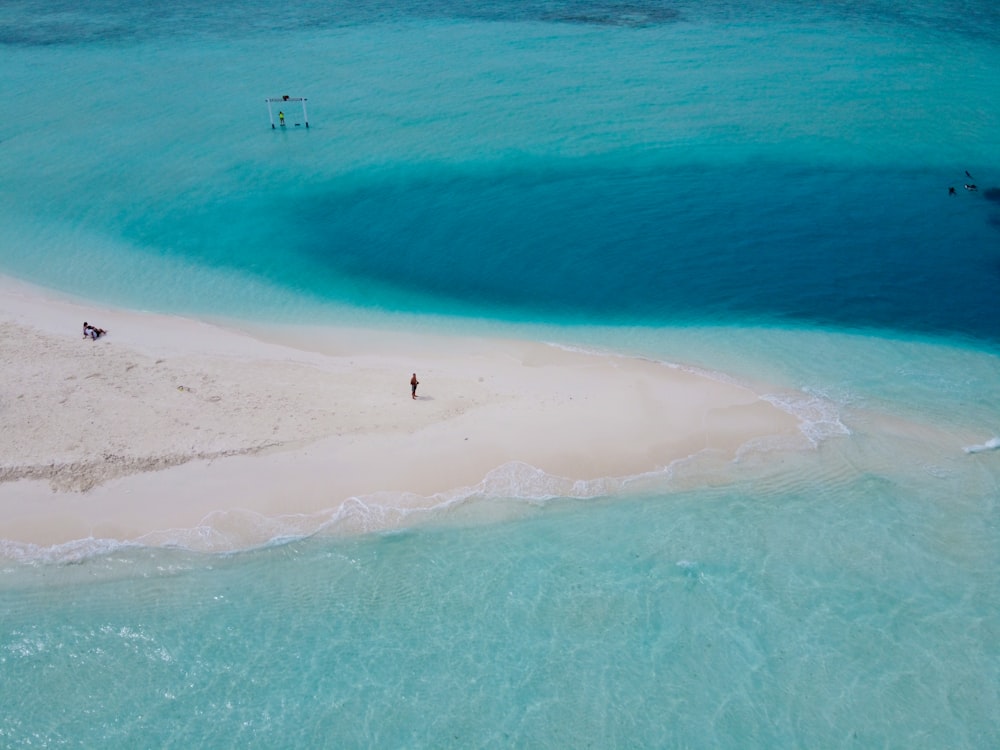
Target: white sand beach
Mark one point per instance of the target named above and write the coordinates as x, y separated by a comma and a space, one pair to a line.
170, 424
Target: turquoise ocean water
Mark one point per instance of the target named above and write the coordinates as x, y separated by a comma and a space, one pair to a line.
752, 188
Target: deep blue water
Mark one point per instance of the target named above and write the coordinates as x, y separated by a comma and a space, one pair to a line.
743, 243
671, 183
752, 243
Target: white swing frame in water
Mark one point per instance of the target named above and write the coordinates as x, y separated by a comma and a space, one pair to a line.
284, 100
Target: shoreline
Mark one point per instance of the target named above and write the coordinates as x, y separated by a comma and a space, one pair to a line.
166, 422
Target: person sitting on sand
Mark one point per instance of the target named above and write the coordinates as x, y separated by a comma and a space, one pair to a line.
93, 331
413, 385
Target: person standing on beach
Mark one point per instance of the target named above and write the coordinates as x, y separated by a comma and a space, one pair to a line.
413, 385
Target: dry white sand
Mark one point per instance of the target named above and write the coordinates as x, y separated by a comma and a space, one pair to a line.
169, 424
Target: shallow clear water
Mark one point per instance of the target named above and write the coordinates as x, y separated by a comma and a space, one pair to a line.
806, 616
754, 189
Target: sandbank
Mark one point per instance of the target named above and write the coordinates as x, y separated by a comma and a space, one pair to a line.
169, 430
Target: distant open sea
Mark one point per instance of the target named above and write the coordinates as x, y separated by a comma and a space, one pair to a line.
759, 189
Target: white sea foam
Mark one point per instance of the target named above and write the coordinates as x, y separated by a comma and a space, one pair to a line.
74, 551
819, 416
990, 445
224, 532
